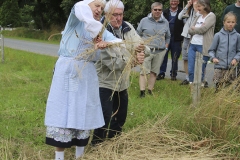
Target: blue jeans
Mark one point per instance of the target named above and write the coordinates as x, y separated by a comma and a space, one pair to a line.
193, 48
175, 47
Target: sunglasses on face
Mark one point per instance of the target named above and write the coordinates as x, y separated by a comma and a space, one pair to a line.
157, 9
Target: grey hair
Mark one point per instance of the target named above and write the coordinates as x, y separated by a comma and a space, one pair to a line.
115, 4
156, 4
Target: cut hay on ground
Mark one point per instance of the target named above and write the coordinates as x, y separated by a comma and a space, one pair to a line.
154, 142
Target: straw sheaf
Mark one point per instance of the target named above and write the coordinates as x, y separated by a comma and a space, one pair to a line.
129, 47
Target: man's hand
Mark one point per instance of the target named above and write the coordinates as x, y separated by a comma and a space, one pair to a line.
140, 48
140, 57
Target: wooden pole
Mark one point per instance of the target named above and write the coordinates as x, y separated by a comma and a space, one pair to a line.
197, 79
2, 46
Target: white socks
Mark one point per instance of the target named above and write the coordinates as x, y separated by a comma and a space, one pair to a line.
59, 155
79, 151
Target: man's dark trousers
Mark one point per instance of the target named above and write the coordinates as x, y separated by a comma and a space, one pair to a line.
115, 104
175, 47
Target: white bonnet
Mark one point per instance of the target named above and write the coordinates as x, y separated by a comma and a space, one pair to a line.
115, 4
89, 1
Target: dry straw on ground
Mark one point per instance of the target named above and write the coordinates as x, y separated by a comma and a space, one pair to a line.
155, 142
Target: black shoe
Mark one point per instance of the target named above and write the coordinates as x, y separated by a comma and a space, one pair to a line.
204, 84
173, 78
185, 82
95, 143
142, 94
150, 92
160, 76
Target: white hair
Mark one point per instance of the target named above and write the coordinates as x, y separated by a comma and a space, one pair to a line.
113, 3
89, 1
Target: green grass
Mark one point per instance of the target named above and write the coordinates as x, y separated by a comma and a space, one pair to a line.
24, 84
52, 36
25, 79
166, 97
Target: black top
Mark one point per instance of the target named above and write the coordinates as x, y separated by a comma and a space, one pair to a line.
178, 25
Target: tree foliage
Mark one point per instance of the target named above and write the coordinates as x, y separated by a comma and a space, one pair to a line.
67, 5
26, 14
46, 13
10, 13
137, 9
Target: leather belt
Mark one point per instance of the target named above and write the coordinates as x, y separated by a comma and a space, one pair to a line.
155, 49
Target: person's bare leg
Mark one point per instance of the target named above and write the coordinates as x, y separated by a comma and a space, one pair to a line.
185, 65
59, 149
59, 153
151, 81
142, 82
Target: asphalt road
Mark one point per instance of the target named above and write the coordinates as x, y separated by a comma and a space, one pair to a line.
35, 47
51, 49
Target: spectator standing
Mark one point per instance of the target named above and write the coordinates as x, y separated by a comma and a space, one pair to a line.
188, 13
153, 28
225, 51
176, 28
114, 70
235, 8
202, 32
73, 105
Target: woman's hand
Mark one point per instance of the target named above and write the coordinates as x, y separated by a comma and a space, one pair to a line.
97, 39
101, 45
189, 3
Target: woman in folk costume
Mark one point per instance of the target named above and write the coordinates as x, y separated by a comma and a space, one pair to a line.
73, 105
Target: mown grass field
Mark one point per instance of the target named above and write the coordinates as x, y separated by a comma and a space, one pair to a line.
162, 126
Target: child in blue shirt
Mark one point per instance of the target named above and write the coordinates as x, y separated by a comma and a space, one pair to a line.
225, 51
